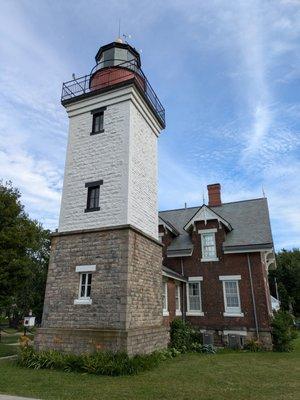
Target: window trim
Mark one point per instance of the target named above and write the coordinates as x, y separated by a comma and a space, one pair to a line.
178, 311
165, 289
85, 268
189, 312
231, 311
202, 232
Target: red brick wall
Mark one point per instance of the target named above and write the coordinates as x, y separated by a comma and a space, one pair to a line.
172, 302
211, 286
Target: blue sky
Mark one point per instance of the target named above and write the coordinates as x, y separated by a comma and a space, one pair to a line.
227, 72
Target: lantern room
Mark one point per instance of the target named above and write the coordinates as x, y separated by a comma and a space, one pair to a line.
117, 62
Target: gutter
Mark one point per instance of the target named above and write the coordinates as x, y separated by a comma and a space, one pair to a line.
253, 297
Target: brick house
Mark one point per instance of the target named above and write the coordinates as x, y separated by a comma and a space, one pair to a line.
215, 268
104, 286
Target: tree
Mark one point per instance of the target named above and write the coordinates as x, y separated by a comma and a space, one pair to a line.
287, 275
283, 332
24, 255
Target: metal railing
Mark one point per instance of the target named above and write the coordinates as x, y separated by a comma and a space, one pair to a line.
130, 70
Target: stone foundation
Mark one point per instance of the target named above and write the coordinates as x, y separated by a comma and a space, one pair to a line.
80, 341
126, 309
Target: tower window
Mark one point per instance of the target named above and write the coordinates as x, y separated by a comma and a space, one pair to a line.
85, 286
93, 195
98, 118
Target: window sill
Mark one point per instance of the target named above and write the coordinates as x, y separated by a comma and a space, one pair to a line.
231, 314
209, 259
195, 313
95, 133
92, 209
165, 313
83, 301
178, 313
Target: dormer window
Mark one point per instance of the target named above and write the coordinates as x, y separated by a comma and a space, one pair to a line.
208, 245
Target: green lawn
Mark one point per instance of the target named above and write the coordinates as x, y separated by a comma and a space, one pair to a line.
193, 376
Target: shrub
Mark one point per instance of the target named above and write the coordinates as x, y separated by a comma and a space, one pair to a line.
99, 363
184, 338
283, 332
208, 349
254, 346
180, 335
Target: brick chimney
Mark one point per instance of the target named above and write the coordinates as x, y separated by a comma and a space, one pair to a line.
214, 194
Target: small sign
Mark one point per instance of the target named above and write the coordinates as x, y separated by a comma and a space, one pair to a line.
29, 321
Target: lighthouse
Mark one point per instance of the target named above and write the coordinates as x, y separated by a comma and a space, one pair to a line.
104, 285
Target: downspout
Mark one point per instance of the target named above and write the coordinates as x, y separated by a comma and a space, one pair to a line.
253, 297
182, 294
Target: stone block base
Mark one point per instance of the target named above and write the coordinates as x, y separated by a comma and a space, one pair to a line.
78, 341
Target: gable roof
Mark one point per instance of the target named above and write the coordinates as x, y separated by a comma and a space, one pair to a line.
167, 225
249, 220
205, 213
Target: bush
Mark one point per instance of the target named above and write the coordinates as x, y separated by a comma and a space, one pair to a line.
283, 332
208, 349
100, 363
254, 346
180, 335
184, 338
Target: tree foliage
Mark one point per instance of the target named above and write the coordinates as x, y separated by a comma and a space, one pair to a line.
24, 255
287, 275
283, 332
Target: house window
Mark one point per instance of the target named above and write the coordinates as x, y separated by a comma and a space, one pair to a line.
232, 303
208, 245
85, 284
98, 118
93, 194
194, 296
165, 298
177, 299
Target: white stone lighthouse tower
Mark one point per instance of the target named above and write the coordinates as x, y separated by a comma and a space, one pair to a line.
104, 280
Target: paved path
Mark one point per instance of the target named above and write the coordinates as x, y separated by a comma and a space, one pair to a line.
5, 397
14, 356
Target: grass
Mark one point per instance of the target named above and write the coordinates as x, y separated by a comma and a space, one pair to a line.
9, 342
7, 350
7, 347
232, 375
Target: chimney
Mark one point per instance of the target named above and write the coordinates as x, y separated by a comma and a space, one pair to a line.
214, 195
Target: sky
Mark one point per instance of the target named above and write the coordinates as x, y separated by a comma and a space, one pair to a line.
226, 71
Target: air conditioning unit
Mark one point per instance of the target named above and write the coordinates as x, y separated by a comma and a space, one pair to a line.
235, 341
208, 338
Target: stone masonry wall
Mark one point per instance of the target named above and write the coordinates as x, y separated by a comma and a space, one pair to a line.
126, 309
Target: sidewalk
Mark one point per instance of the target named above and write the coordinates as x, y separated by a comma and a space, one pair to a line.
6, 397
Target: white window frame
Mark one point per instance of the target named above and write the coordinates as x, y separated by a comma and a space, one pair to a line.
160, 236
196, 313
231, 311
84, 269
165, 303
202, 233
177, 295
